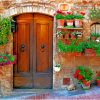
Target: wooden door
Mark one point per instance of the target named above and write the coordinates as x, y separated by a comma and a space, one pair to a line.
43, 51
33, 46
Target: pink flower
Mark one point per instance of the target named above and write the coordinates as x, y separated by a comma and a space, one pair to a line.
82, 13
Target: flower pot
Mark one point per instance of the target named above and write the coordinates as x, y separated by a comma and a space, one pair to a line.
93, 38
69, 22
88, 51
57, 69
86, 85
60, 23
78, 53
78, 23
98, 82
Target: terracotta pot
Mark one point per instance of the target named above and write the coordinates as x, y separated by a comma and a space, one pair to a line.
78, 23
60, 23
88, 51
93, 38
69, 22
98, 82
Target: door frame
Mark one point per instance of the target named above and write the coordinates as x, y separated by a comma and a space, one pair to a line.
33, 48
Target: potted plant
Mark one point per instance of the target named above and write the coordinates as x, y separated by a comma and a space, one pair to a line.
79, 49
79, 20
60, 19
84, 76
97, 49
98, 81
57, 67
89, 47
92, 36
98, 78
69, 19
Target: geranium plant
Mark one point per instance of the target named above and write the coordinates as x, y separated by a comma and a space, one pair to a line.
83, 75
7, 59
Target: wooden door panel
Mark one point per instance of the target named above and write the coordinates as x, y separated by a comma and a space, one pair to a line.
23, 67
23, 47
42, 47
43, 29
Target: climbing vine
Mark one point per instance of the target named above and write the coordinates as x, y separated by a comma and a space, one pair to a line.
5, 29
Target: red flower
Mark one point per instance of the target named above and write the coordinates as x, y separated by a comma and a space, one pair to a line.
75, 75
60, 12
80, 77
84, 81
82, 13
69, 12
77, 71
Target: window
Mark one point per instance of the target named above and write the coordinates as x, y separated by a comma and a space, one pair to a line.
95, 28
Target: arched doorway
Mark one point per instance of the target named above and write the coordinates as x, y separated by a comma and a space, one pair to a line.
33, 44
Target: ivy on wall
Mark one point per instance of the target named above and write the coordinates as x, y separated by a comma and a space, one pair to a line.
5, 30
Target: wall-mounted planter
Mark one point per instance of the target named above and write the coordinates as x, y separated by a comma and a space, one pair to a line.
57, 69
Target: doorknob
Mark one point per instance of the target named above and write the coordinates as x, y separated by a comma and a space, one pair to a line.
42, 46
22, 47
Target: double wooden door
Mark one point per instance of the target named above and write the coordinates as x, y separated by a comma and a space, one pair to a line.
33, 45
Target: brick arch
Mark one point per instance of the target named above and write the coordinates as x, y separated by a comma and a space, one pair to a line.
12, 11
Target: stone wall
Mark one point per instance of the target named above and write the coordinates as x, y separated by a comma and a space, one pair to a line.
6, 71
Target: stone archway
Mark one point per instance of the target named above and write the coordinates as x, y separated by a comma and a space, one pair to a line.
30, 7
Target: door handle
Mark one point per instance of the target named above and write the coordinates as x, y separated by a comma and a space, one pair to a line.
42, 46
22, 47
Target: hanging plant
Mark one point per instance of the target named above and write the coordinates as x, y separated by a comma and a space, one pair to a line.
5, 29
